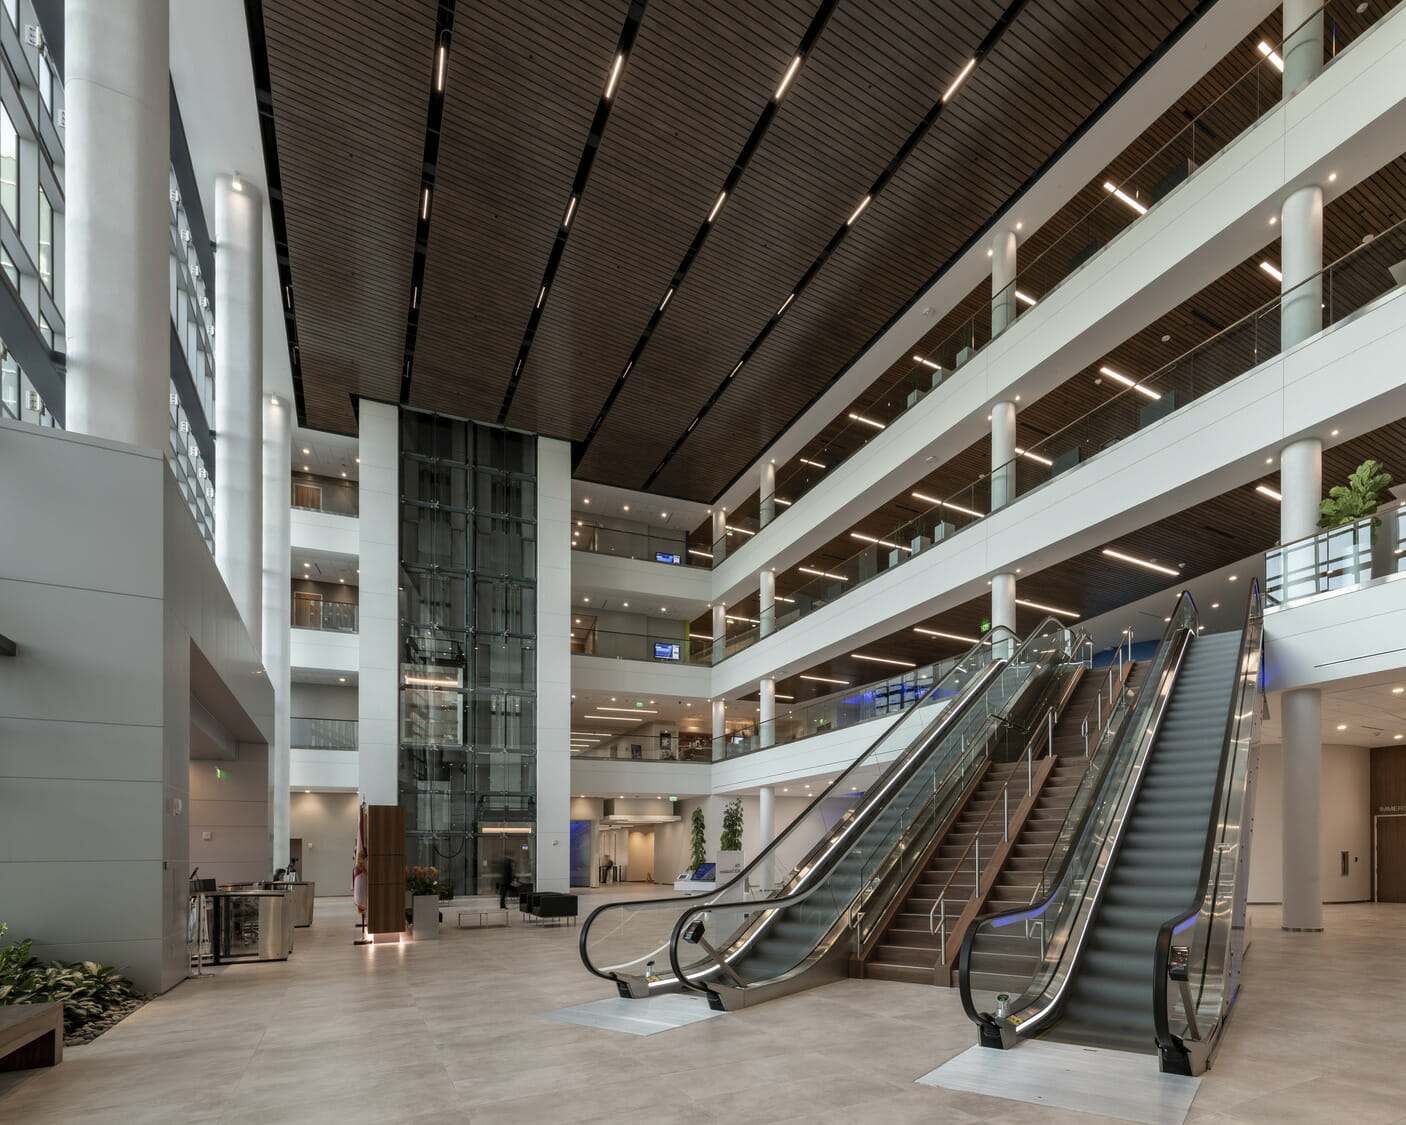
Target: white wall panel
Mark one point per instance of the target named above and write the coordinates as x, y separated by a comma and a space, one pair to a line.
554, 664
324, 531
378, 653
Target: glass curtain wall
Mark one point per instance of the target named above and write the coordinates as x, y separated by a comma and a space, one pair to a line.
468, 638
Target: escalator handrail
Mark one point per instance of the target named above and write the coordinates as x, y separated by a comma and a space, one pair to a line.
656, 903
1251, 637
1173, 635
838, 844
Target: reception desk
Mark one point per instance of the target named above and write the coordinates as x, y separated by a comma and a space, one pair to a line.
250, 925
302, 900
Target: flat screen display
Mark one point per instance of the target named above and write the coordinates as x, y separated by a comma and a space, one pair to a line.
663, 651
704, 872
664, 556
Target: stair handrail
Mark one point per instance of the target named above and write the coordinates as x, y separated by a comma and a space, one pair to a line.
1220, 821
1154, 696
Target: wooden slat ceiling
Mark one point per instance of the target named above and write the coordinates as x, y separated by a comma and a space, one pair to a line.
349, 88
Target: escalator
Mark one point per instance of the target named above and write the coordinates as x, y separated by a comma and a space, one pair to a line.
1136, 947
782, 923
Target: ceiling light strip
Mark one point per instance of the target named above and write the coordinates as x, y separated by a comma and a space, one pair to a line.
1112, 554
614, 76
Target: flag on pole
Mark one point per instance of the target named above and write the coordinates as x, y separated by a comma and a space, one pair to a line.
359, 863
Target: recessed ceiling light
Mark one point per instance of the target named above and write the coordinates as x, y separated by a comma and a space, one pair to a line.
626, 507
863, 203
1119, 194
866, 421
570, 210
1333, 434
952, 89
1046, 608
945, 504
1146, 392
307, 451
614, 75
1332, 177
1024, 298
1397, 690
341, 679
928, 363
585, 499
786, 81
812, 464
718, 206
1265, 490
883, 660
1272, 55
1215, 605
824, 679
944, 636
1112, 554
1342, 726
879, 542
1272, 271
1273, 219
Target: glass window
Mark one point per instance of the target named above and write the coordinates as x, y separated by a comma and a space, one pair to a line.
46, 242
9, 384
9, 168
46, 83
7, 264
13, 8
46, 330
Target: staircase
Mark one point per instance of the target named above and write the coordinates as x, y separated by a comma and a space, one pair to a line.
1009, 967
1158, 863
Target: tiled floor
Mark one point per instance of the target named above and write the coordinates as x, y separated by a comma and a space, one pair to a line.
447, 1031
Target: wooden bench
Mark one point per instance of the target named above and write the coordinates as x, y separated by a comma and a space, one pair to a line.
31, 1035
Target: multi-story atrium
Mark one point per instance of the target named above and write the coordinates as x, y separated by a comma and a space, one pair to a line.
645, 560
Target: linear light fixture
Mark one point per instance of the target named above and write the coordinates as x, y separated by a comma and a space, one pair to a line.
701, 554
781, 310
665, 301
627, 710
783, 503
1024, 298
808, 461
1146, 392
718, 206
883, 660
425, 681
614, 76
744, 620
611, 718
425, 203
740, 362
788, 601
863, 203
739, 530
866, 421
928, 363
1119, 193
786, 698
790, 74
1272, 55
542, 296
880, 542
822, 573
1265, 490
946, 504
1274, 273
1047, 608
570, 210
824, 679
944, 636
1033, 456
440, 57
1112, 554
952, 89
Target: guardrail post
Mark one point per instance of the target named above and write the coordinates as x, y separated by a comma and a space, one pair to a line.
976, 862
1006, 811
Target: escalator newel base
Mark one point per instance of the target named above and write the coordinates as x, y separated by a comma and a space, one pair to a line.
1174, 1059
995, 1033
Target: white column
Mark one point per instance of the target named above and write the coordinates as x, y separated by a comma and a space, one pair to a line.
1002, 602
1303, 45
768, 493
766, 818
1301, 259
553, 665
239, 408
378, 698
719, 719
1002, 454
1301, 485
1002, 280
277, 605
766, 594
719, 631
767, 716
1301, 720
719, 535
116, 183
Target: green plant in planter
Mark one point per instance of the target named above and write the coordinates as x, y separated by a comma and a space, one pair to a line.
1357, 499
697, 841
425, 881
87, 990
732, 827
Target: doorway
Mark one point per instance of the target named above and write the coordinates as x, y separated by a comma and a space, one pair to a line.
1389, 863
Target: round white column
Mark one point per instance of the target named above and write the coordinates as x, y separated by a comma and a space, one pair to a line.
1303, 47
766, 593
1002, 454
719, 729
1301, 720
117, 161
719, 535
1003, 248
766, 818
767, 720
1301, 484
239, 406
277, 608
719, 631
1301, 259
768, 492
1002, 603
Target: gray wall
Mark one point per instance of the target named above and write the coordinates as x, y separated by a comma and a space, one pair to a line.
324, 701
326, 824
106, 585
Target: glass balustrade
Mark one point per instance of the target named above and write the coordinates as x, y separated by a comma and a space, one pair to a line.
671, 549
307, 733
671, 747
336, 617
1337, 559
1356, 282
1122, 199
640, 646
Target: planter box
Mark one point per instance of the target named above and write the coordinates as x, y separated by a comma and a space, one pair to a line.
425, 917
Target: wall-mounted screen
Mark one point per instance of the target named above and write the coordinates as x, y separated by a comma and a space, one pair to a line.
664, 556
663, 651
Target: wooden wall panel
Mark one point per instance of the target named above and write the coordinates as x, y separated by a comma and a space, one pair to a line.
385, 854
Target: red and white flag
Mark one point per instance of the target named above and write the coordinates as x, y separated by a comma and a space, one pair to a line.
359, 863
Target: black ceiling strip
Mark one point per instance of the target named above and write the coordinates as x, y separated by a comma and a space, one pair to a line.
434, 118
633, 19
259, 58
808, 40
984, 233
905, 150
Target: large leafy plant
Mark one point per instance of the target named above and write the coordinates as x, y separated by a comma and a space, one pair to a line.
1357, 499
732, 827
425, 881
87, 990
697, 842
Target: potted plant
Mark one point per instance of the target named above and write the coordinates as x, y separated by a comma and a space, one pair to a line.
920, 536
1358, 500
698, 843
730, 843
424, 891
